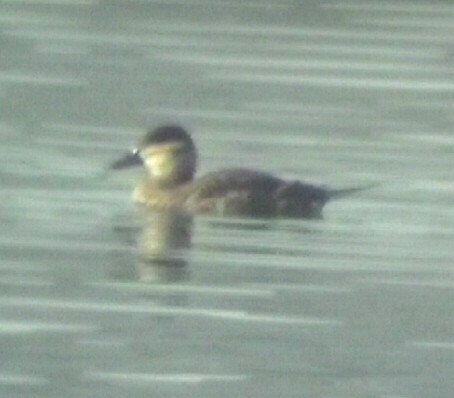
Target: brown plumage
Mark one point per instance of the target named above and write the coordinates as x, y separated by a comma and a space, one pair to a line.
169, 154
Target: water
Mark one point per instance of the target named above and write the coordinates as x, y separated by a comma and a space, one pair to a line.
100, 300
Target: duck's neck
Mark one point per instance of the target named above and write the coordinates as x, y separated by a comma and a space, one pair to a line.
171, 183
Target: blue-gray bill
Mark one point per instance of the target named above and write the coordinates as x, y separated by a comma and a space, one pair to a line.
129, 160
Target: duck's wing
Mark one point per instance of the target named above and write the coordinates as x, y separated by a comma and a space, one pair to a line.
298, 199
225, 181
254, 193
234, 191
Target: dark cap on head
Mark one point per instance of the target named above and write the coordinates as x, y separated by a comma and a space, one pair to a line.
160, 135
167, 133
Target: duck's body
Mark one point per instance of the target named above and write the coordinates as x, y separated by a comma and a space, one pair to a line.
236, 192
169, 154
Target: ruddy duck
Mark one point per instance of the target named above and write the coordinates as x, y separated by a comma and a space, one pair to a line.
170, 156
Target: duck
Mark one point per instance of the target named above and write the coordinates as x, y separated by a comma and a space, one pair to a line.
170, 157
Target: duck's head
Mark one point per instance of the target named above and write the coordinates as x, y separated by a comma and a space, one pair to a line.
167, 152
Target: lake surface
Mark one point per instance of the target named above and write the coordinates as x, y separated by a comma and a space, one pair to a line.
98, 299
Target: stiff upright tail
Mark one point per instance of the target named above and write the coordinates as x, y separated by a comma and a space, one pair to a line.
340, 193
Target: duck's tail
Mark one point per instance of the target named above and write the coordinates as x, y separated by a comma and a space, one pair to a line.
342, 192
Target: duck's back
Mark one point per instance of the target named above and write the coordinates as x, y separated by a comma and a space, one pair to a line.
247, 192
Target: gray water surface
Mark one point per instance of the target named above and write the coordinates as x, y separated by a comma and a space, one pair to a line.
98, 299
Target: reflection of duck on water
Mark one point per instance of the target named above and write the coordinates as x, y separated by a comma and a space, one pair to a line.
170, 156
163, 245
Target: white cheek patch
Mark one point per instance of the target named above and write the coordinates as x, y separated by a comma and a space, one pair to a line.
154, 164
159, 165
163, 161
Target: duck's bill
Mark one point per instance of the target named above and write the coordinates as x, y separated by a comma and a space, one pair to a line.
130, 159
